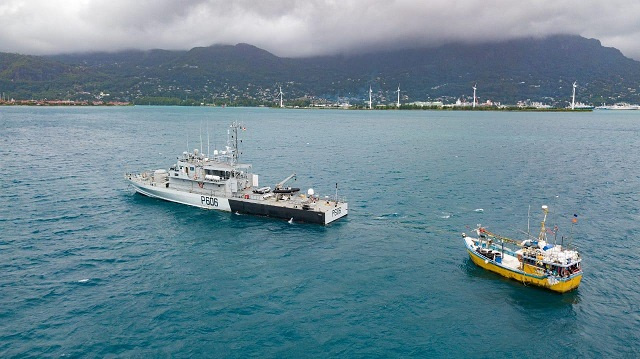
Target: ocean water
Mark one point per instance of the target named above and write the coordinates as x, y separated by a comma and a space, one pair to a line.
90, 269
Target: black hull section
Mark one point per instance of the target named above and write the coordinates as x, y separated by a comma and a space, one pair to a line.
298, 214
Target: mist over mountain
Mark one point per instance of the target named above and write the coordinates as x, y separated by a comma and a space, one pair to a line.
535, 69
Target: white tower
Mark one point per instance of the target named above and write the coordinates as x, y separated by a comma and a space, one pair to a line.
281, 106
573, 97
398, 103
474, 95
370, 102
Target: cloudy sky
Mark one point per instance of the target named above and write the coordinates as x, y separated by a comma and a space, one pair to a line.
306, 27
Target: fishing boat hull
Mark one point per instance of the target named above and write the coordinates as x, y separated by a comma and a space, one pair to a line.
556, 284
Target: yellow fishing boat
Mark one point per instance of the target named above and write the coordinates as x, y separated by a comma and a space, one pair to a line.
533, 261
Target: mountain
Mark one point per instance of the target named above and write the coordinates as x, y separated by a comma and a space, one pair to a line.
528, 68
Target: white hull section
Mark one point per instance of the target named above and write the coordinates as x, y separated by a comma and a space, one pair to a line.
191, 199
337, 212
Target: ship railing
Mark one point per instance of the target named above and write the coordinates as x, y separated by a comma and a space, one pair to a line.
248, 195
339, 199
144, 176
570, 247
207, 192
215, 193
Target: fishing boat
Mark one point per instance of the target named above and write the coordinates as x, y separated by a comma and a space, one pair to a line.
535, 261
220, 182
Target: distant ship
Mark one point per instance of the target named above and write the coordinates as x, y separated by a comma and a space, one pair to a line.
536, 261
619, 106
220, 182
582, 106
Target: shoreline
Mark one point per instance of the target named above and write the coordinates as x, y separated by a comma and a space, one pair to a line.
61, 103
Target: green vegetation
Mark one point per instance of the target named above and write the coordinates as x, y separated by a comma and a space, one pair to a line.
527, 69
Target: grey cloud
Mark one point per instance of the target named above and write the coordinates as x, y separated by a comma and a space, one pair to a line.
302, 28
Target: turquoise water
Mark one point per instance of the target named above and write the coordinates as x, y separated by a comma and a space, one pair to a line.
89, 269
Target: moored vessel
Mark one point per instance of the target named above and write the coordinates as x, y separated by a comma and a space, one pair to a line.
619, 106
221, 182
535, 261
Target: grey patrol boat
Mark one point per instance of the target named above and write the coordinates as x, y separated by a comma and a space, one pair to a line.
220, 182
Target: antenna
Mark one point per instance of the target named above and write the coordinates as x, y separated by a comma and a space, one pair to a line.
528, 218
208, 145
398, 103
474, 94
574, 220
281, 106
370, 97
573, 97
200, 136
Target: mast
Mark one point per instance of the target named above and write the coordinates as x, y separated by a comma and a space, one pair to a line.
370, 97
573, 97
543, 230
232, 142
398, 103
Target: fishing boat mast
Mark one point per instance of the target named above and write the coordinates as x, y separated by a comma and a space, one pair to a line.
543, 231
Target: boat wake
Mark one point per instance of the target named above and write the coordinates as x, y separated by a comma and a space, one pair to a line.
388, 215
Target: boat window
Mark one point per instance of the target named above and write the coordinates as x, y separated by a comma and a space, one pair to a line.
221, 174
193, 168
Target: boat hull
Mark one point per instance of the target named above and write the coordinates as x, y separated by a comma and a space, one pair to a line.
297, 214
560, 285
242, 205
190, 199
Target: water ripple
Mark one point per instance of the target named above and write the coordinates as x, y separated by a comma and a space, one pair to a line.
92, 270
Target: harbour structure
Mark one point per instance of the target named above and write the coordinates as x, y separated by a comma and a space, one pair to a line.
221, 182
533, 261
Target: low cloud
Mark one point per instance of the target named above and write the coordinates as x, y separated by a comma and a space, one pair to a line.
304, 28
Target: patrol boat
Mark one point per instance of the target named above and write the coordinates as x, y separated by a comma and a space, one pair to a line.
533, 261
220, 182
